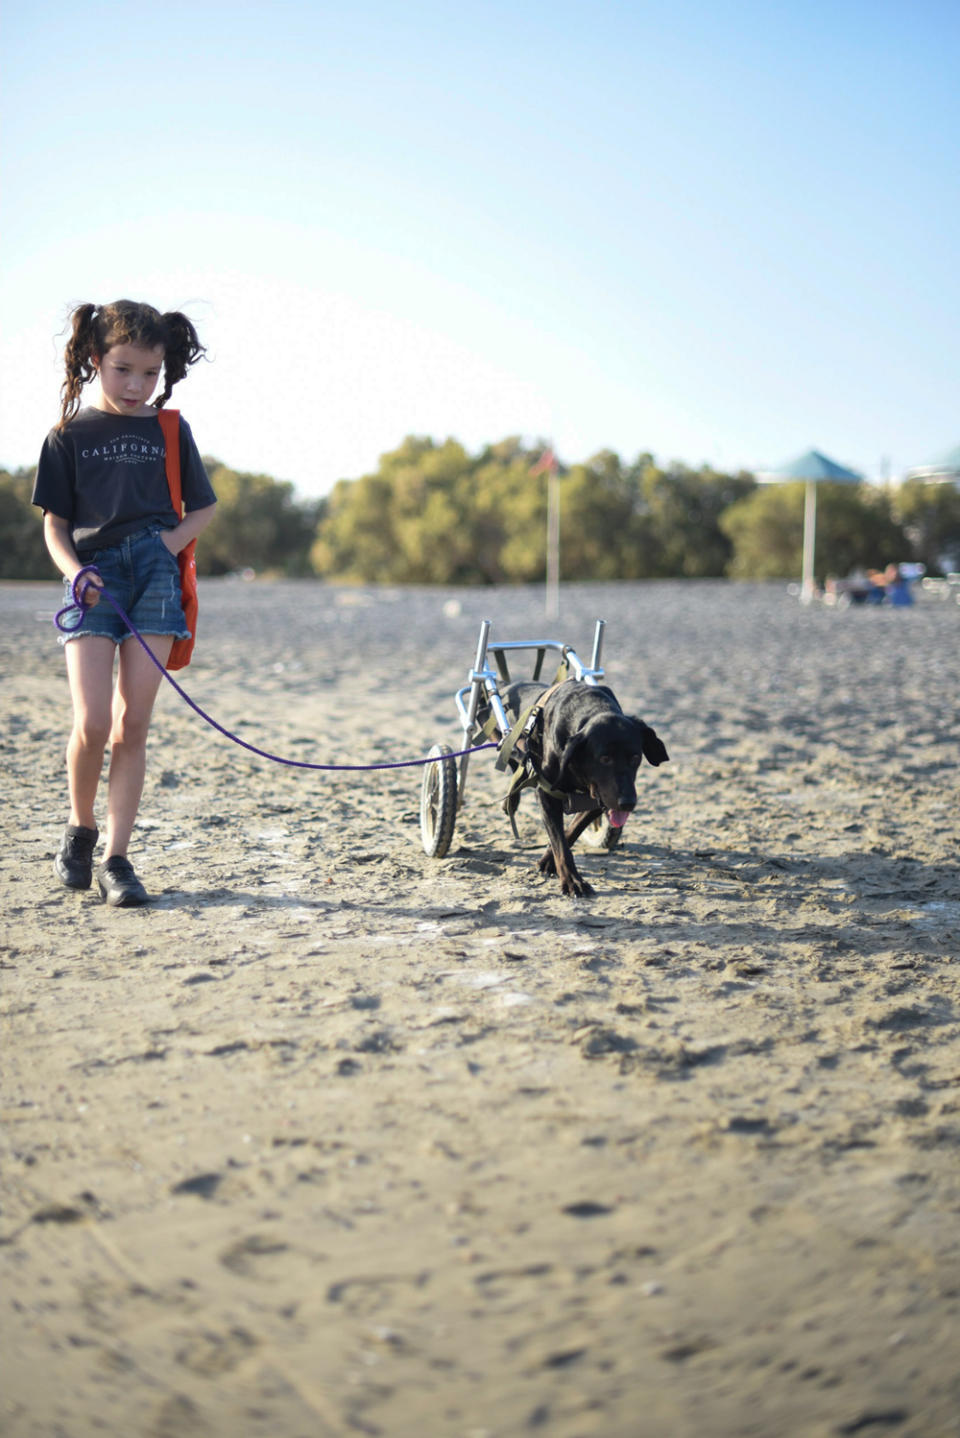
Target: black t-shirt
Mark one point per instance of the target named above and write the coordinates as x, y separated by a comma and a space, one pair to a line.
105, 474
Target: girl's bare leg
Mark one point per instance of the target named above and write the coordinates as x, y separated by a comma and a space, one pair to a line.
90, 672
138, 680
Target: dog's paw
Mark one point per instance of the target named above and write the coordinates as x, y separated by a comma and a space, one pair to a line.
576, 887
548, 864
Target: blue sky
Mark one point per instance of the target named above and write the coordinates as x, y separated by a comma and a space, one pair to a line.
719, 232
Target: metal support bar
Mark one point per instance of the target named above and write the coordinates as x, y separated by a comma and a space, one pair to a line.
484, 682
597, 645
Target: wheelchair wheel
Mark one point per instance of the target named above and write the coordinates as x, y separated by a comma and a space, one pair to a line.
601, 834
438, 802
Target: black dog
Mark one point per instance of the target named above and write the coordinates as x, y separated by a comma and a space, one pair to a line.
582, 744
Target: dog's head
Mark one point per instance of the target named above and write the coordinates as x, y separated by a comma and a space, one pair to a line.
602, 760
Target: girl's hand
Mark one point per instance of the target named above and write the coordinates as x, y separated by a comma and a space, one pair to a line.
90, 590
163, 535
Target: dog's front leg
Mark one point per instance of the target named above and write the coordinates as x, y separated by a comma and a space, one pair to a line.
581, 822
559, 859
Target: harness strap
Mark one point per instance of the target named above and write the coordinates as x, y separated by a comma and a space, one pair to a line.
528, 719
527, 774
525, 777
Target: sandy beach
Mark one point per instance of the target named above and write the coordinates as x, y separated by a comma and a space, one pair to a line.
334, 1138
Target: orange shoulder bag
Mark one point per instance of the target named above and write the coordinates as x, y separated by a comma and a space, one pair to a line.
182, 650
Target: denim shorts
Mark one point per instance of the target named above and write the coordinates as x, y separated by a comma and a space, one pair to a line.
144, 578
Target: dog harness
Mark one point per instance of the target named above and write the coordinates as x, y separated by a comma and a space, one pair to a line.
514, 748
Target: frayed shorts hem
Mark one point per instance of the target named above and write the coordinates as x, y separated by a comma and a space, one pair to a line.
146, 633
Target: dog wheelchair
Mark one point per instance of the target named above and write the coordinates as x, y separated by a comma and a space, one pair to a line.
481, 710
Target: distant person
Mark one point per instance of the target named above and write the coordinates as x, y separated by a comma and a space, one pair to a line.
896, 586
102, 486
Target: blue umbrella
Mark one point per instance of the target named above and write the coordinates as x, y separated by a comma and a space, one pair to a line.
813, 468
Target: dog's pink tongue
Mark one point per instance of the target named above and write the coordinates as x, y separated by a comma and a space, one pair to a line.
618, 817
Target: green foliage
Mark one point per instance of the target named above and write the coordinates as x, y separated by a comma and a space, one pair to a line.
684, 508
766, 531
930, 515
508, 515
605, 532
23, 553
433, 514
258, 524
856, 529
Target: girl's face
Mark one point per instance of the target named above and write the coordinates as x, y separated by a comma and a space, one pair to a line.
128, 377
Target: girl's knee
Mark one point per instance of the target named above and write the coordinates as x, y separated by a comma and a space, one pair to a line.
91, 732
130, 730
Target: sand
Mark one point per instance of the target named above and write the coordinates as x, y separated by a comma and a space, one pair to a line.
335, 1138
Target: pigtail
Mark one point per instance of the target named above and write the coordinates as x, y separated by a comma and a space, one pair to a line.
80, 352
182, 349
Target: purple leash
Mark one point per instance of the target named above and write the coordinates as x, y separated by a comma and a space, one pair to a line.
70, 618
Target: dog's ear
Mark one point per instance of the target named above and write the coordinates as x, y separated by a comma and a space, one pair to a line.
654, 749
568, 758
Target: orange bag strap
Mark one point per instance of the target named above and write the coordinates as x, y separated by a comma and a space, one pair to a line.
170, 424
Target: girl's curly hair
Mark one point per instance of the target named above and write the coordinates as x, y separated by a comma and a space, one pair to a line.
96, 329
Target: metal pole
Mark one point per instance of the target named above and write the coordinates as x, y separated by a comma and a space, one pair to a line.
597, 643
809, 540
479, 664
552, 598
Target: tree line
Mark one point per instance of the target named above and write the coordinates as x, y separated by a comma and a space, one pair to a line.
432, 513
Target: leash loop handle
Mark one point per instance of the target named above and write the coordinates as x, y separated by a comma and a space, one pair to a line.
70, 618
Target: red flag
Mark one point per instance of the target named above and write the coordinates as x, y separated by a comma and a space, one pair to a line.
546, 464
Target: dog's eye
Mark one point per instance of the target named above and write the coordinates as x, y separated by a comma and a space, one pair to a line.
605, 759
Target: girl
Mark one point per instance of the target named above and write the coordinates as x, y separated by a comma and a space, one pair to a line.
102, 486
